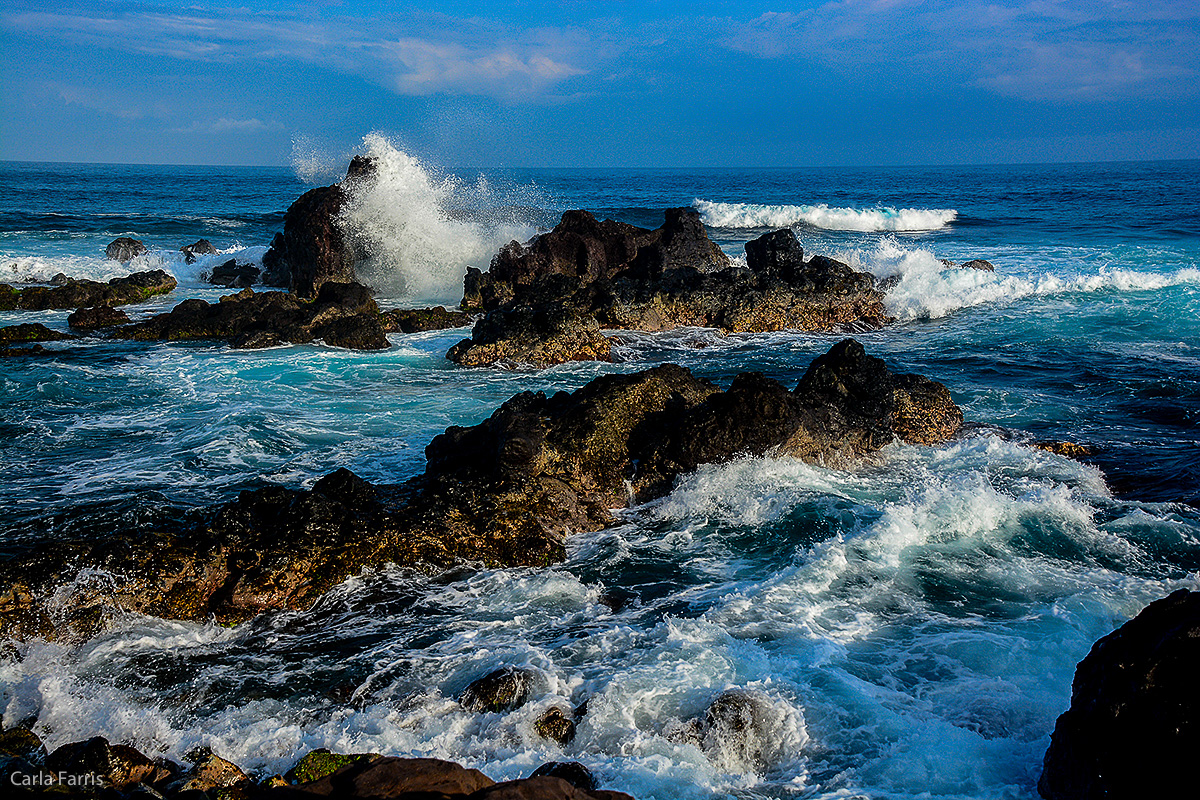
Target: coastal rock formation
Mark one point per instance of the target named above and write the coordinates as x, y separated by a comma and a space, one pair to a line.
233, 274
505, 492
96, 317
417, 320
123, 249
540, 312
313, 249
83, 293
30, 332
343, 314
1133, 727
203, 247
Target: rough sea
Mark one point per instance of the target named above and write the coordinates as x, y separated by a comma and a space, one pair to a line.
914, 622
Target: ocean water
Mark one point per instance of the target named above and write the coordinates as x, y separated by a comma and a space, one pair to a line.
911, 625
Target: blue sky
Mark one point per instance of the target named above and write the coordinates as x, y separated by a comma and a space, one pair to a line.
844, 82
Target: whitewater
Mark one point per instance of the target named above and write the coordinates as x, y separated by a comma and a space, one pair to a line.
910, 625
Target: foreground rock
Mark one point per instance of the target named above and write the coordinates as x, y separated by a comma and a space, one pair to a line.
545, 309
343, 314
134, 288
505, 492
1133, 727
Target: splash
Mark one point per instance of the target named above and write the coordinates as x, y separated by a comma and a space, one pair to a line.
420, 232
754, 215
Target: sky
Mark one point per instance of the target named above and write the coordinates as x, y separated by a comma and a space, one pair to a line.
602, 84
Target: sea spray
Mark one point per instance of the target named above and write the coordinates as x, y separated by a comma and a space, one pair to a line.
417, 230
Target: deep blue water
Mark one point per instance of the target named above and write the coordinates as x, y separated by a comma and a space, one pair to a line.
913, 623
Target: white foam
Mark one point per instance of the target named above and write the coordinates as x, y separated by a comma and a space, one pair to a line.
404, 220
928, 289
42, 268
755, 215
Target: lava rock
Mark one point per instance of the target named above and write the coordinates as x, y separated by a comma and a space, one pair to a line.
418, 320
83, 294
203, 247
96, 317
538, 336
31, 332
1133, 726
123, 249
504, 689
979, 264
233, 274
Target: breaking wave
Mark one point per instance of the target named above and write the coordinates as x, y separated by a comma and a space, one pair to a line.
755, 215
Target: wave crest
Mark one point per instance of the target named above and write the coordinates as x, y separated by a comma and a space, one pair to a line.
755, 215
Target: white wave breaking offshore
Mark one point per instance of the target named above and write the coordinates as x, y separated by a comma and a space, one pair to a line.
756, 215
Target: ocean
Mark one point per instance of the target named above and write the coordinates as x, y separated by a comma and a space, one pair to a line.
913, 624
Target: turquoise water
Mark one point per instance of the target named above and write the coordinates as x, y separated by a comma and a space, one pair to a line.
913, 623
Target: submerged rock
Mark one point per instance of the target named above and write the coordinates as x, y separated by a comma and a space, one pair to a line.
1133, 727
542, 313
123, 249
133, 288
343, 314
505, 492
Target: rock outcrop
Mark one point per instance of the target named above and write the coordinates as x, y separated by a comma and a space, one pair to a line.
96, 317
30, 332
233, 274
418, 320
343, 314
124, 249
1133, 727
83, 293
505, 492
543, 308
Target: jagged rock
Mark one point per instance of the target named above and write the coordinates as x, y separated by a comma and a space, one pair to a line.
417, 320
120, 766
96, 317
540, 316
505, 492
556, 726
123, 249
82, 294
343, 314
233, 274
572, 772
1134, 723
979, 264
31, 332
504, 689
201, 248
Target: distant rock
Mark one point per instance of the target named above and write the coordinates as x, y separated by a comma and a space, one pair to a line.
979, 264
203, 247
234, 275
1133, 727
418, 320
343, 314
133, 288
505, 492
542, 314
123, 249
96, 317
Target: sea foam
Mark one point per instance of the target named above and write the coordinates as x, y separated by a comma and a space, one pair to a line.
755, 215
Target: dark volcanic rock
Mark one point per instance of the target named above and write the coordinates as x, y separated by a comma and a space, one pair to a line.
1133, 727
504, 689
30, 332
541, 316
90, 319
202, 247
417, 320
505, 492
233, 274
343, 314
124, 249
980, 264
80, 294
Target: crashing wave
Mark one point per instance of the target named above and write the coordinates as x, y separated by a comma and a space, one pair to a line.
755, 215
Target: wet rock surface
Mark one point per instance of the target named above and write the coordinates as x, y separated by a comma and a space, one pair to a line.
505, 492
343, 314
73, 293
96, 317
505, 689
544, 311
418, 320
1133, 726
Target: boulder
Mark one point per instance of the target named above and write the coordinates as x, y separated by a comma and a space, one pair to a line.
418, 320
133, 288
572, 772
118, 765
343, 314
538, 336
233, 274
203, 247
96, 317
392, 777
979, 264
504, 689
1134, 721
556, 726
123, 249
30, 332
504, 492
209, 772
